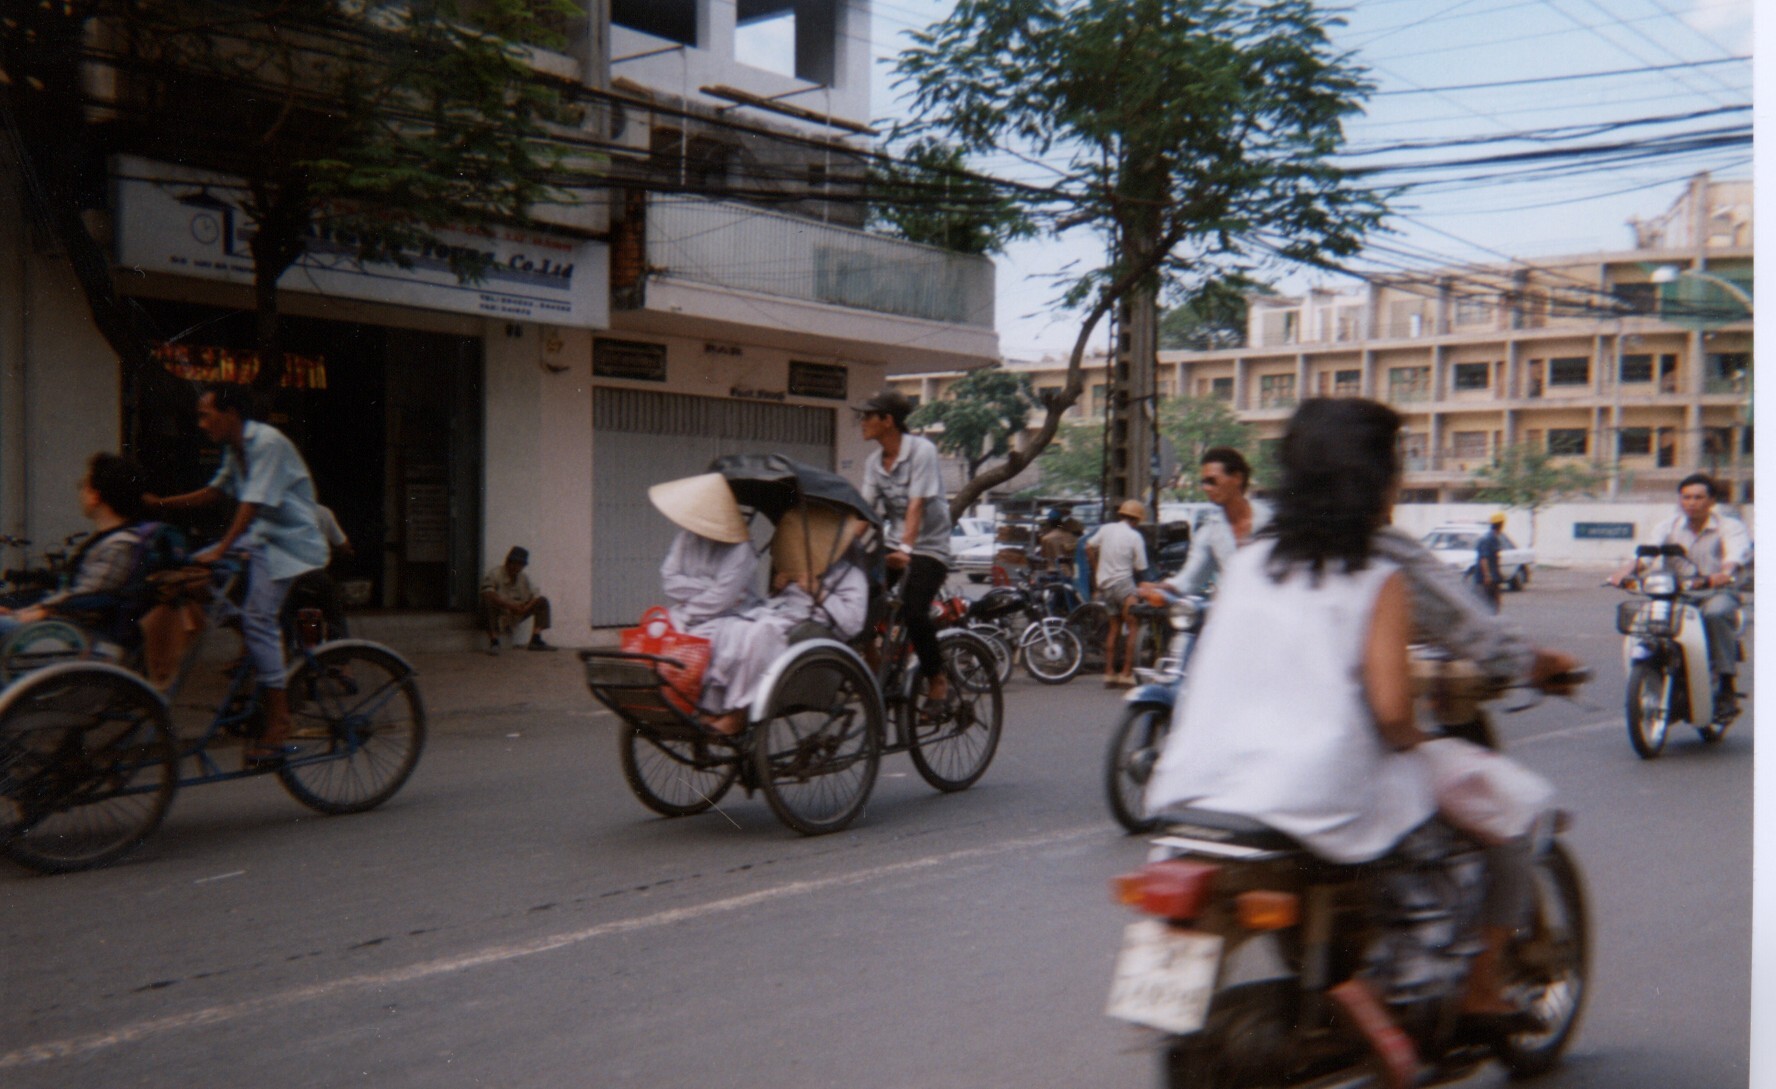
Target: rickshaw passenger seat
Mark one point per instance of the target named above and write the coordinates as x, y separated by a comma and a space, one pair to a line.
809, 629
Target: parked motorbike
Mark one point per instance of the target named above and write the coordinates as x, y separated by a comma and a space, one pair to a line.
1665, 650
1027, 619
1140, 734
1252, 948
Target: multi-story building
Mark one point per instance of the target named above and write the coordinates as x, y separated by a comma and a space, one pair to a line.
1632, 361
700, 298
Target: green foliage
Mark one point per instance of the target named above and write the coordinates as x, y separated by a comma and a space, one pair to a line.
1192, 425
1211, 317
1526, 477
1195, 134
981, 416
930, 198
1073, 464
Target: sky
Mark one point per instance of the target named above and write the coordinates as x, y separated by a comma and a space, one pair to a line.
1412, 48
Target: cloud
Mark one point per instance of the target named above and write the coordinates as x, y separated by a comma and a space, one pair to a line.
1729, 15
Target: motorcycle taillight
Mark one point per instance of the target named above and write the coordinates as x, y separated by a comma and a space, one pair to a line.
1177, 888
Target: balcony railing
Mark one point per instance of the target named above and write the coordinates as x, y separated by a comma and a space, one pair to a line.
751, 249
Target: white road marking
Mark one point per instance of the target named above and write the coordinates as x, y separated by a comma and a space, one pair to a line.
219, 877
1570, 731
76, 1046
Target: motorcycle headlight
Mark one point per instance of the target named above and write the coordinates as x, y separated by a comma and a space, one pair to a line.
1185, 612
1659, 582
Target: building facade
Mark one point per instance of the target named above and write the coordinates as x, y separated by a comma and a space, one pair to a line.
1636, 362
679, 309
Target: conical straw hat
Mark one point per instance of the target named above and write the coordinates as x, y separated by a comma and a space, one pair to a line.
704, 505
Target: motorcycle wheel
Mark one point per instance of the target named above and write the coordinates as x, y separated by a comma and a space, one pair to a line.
1052, 652
1003, 656
1134, 749
1548, 966
1241, 1045
1649, 716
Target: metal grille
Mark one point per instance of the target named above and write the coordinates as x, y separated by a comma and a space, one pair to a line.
641, 438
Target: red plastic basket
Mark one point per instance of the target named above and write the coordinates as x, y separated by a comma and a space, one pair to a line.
656, 635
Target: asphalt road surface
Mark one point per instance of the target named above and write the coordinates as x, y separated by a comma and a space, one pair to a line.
515, 918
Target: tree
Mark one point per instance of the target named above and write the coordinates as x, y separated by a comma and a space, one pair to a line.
928, 196
373, 124
1194, 424
1073, 464
1213, 317
1525, 477
981, 415
1194, 136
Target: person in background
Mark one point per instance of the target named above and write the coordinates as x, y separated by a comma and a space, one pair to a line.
317, 587
1720, 547
1226, 477
1118, 555
508, 598
902, 481
275, 521
1489, 576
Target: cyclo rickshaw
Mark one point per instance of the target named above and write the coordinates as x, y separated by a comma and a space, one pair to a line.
825, 710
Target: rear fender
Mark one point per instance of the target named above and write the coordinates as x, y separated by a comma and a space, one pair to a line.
1163, 694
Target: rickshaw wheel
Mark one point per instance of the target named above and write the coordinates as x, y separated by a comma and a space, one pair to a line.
951, 754
674, 778
817, 752
87, 767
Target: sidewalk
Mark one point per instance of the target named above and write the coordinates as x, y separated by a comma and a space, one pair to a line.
465, 684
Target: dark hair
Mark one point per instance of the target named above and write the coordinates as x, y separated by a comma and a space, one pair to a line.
119, 482
229, 397
1231, 460
1339, 461
1703, 479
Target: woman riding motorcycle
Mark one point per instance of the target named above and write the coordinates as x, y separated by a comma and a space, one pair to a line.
1299, 711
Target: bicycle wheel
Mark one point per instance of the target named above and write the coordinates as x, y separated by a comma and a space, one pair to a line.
816, 753
673, 778
44, 643
87, 767
952, 753
996, 641
1134, 749
359, 729
1052, 651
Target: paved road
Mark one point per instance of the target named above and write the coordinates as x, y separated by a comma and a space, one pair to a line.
514, 918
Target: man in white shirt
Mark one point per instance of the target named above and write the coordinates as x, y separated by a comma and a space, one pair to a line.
1118, 555
1719, 546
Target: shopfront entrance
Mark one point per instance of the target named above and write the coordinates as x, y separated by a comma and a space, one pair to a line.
388, 419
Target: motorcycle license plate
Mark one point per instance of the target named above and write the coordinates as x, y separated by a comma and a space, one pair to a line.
1164, 977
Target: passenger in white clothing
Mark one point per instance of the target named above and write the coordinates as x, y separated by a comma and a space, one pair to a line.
1299, 710
710, 568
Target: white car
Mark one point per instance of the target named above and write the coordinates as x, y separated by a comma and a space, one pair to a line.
1454, 542
968, 533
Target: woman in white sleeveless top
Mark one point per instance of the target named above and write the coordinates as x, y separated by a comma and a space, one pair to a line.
1298, 712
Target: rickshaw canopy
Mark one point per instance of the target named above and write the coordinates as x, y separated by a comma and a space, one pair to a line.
771, 484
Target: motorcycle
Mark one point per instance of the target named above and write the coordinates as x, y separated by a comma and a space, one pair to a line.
1247, 936
1665, 651
1023, 620
1140, 734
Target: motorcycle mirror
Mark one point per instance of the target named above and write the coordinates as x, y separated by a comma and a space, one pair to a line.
1647, 551
1673, 550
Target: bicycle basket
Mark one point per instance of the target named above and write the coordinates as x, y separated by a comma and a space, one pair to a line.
682, 683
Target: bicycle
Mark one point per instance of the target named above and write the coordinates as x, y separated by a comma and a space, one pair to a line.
90, 759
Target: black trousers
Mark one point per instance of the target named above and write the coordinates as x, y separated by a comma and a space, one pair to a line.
924, 578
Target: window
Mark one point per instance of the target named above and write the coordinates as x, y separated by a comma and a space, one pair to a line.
1472, 375
1637, 368
1567, 441
1572, 370
1097, 399
1635, 440
1047, 394
1636, 298
1725, 372
1276, 391
1221, 389
1468, 445
1409, 384
1473, 311
1347, 383
676, 22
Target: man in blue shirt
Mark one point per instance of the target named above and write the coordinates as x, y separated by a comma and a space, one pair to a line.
275, 522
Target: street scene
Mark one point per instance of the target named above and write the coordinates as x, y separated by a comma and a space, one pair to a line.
515, 916
905, 544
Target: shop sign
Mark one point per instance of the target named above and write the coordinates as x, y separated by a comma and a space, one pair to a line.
199, 363
818, 380
190, 223
745, 393
1603, 531
633, 359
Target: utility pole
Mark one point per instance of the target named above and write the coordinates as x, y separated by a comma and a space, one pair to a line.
1131, 399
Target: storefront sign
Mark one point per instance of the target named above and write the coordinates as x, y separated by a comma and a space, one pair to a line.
634, 359
199, 363
189, 222
1603, 531
818, 380
745, 394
